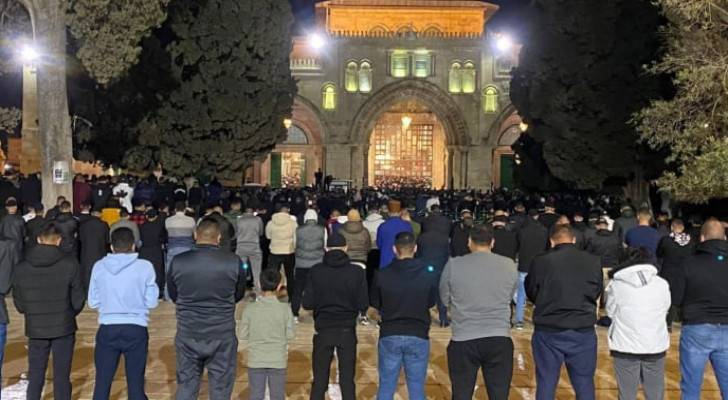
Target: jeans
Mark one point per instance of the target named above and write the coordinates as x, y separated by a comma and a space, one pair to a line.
289, 263
631, 372
301, 278
325, 342
3, 340
171, 253
273, 378
113, 341
494, 355
255, 260
38, 352
576, 349
521, 297
394, 351
698, 345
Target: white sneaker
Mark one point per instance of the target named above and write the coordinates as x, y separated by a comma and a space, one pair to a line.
364, 320
295, 320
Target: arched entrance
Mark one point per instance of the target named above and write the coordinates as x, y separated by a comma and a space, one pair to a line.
295, 161
504, 158
434, 114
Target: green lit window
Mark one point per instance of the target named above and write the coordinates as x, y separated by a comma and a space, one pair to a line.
423, 64
351, 79
455, 84
400, 64
328, 95
468, 78
490, 100
365, 77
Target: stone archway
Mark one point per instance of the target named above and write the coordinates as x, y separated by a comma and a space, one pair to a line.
438, 101
502, 136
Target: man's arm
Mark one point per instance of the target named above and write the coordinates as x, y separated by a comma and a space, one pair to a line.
432, 296
6, 268
445, 290
151, 290
363, 295
533, 280
245, 325
171, 286
678, 284
290, 326
241, 284
375, 299
309, 297
18, 293
78, 293
94, 299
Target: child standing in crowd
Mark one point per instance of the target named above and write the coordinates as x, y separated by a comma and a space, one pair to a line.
268, 326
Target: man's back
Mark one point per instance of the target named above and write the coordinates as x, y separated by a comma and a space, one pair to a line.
478, 288
404, 294
564, 284
700, 287
533, 240
643, 236
205, 283
385, 238
506, 243
249, 230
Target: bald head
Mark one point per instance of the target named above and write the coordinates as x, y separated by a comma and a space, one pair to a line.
712, 230
562, 235
208, 232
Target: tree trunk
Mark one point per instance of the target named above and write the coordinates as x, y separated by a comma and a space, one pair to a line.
638, 190
55, 125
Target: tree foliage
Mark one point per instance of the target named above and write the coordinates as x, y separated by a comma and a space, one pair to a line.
694, 124
231, 60
579, 80
109, 32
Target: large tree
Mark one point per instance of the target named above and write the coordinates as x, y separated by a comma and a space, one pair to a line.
579, 80
231, 59
108, 33
694, 124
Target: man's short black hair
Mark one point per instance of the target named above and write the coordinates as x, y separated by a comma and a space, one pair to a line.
180, 206
270, 279
123, 213
50, 232
405, 241
482, 235
208, 229
123, 240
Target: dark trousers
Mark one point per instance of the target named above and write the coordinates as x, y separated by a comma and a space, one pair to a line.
441, 308
113, 341
301, 278
494, 355
578, 350
219, 356
289, 263
324, 343
38, 352
372, 266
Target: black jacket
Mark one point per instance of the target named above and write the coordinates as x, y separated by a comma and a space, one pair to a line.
30, 191
94, 237
336, 291
206, 283
33, 228
404, 294
153, 236
47, 289
533, 240
437, 222
548, 220
700, 285
506, 242
12, 228
433, 247
607, 246
673, 253
564, 284
68, 226
459, 243
7, 261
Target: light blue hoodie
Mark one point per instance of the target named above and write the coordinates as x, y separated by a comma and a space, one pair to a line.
123, 289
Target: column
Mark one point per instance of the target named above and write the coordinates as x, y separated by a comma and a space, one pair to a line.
30, 157
450, 165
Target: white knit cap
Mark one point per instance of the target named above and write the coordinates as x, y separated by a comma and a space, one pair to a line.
310, 215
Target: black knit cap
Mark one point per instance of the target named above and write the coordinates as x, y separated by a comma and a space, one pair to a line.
336, 240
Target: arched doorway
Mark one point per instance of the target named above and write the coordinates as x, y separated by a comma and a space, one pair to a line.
434, 114
504, 158
407, 147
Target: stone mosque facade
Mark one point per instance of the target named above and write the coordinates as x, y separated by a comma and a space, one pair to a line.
409, 91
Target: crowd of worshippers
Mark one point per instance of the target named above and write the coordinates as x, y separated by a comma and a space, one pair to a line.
387, 254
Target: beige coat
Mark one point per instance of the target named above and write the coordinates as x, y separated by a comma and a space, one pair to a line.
281, 231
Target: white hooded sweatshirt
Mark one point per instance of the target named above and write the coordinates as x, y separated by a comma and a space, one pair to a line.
638, 301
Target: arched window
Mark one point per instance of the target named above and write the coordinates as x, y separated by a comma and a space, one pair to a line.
455, 82
468, 77
296, 135
400, 67
365, 77
351, 80
328, 95
490, 100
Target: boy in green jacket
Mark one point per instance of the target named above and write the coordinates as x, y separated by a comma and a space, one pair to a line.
268, 326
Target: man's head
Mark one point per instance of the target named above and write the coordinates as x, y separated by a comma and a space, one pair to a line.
467, 217
123, 213
712, 230
85, 207
578, 217
481, 239
677, 226
236, 204
284, 209
270, 280
139, 205
405, 245
550, 206
644, 216
37, 208
151, 214
208, 232
500, 221
394, 208
50, 235
180, 206
11, 205
336, 242
218, 209
533, 213
520, 208
122, 241
563, 220
562, 235
335, 214
65, 207
602, 224
60, 200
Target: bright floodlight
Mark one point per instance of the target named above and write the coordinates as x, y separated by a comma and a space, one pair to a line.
316, 41
29, 54
504, 43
